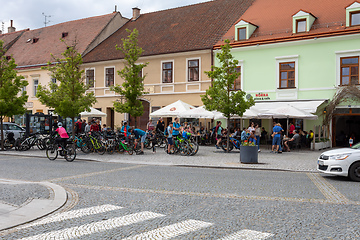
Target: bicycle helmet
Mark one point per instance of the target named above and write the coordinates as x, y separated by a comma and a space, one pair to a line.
59, 124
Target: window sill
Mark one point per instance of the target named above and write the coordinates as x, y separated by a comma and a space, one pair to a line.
286, 88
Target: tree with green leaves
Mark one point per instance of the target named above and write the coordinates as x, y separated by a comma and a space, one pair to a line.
221, 95
12, 102
69, 98
133, 86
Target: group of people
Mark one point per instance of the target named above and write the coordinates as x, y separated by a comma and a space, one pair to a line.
296, 137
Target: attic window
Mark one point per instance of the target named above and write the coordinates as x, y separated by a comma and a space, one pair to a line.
353, 15
302, 21
242, 33
35, 40
355, 18
244, 30
301, 25
64, 34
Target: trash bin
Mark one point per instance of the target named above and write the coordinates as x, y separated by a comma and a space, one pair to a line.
249, 154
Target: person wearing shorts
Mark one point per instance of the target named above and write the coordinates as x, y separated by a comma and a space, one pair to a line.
170, 137
142, 135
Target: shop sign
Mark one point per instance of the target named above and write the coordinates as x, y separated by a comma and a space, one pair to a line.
261, 96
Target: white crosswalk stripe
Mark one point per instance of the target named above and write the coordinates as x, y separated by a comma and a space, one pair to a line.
97, 227
247, 235
166, 232
75, 214
172, 230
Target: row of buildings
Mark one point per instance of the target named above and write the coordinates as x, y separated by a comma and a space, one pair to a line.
297, 52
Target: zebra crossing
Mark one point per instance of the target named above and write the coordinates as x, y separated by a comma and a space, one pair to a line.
165, 232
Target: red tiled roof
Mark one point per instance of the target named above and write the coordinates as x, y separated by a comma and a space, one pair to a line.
188, 28
26, 53
274, 20
10, 38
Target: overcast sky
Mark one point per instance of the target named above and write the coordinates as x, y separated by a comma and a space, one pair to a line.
29, 13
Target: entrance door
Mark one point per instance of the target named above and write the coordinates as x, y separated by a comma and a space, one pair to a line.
344, 127
142, 121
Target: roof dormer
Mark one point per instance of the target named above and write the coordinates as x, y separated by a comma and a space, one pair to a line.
244, 30
302, 21
353, 15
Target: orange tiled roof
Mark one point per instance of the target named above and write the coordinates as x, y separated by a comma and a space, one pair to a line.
27, 53
182, 29
274, 20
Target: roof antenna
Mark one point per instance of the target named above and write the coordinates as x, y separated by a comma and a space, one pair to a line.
46, 16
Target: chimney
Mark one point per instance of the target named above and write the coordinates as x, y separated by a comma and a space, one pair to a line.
136, 13
11, 28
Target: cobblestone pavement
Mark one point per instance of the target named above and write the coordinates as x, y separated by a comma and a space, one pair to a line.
112, 200
300, 160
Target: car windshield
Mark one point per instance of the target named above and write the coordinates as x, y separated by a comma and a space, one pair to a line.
356, 146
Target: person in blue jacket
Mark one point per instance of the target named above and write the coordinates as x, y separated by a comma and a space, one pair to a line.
139, 134
277, 138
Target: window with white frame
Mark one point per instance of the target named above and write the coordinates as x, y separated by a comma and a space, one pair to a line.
193, 70
237, 82
90, 77
53, 80
349, 70
287, 72
353, 14
36, 84
167, 72
109, 76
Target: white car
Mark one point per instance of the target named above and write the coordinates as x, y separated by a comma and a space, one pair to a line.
14, 128
341, 162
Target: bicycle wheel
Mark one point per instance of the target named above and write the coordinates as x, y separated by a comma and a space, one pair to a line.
223, 145
161, 142
70, 153
52, 152
148, 143
137, 148
185, 148
101, 149
40, 144
194, 147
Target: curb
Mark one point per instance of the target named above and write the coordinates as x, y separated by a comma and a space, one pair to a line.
36, 208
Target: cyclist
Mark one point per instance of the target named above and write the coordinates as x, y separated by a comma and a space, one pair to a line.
63, 135
139, 133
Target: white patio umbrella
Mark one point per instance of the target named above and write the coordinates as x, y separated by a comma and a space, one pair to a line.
288, 111
201, 112
172, 110
93, 113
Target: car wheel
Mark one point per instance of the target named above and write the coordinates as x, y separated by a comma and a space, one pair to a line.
354, 172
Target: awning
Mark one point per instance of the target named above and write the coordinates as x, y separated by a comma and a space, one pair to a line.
201, 112
307, 106
262, 109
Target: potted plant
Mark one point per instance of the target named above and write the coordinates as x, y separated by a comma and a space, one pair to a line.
248, 152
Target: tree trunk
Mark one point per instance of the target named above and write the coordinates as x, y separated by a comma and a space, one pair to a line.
73, 127
228, 135
2, 133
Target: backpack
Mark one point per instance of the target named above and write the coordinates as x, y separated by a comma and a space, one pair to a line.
166, 133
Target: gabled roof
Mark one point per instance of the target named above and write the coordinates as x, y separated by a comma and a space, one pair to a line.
274, 20
10, 38
189, 28
27, 53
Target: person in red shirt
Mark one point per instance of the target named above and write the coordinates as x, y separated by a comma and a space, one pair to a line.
94, 127
77, 126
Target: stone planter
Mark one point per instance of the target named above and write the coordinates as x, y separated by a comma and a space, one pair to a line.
248, 154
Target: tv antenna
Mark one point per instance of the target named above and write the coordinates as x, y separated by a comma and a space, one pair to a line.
46, 18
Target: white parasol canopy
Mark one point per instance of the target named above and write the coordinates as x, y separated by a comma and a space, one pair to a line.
93, 113
172, 110
287, 111
201, 112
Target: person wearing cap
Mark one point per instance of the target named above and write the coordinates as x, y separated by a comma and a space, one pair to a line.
63, 135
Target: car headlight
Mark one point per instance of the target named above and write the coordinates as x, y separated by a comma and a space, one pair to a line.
340, 156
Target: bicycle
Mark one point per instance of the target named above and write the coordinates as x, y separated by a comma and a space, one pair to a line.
95, 144
122, 145
180, 146
68, 151
25, 143
233, 142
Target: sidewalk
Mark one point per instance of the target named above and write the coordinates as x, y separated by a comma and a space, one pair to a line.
22, 202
